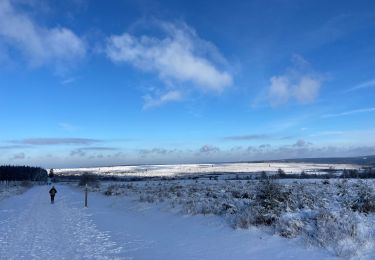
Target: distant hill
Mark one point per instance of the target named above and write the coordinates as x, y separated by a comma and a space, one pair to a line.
363, 160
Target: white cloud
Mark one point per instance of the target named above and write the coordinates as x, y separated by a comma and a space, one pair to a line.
297, 83
301, 144
209, 149
307, 90
179, 56
367, 84
279, 90
351, 112
151, 102
39, 45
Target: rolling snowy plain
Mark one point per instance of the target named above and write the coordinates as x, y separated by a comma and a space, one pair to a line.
203, 216
198, 169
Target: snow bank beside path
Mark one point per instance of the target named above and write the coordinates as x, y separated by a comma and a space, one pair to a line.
148, 231
8, 189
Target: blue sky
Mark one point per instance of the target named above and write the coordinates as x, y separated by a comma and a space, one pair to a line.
95, 83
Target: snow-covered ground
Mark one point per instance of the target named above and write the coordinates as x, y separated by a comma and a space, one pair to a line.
191, 219
32, 228
8, 189
180, 169
119, 228
333, 214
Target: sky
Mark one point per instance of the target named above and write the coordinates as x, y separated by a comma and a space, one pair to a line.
91, 83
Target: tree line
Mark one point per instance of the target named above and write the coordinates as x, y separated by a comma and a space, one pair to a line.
22, 173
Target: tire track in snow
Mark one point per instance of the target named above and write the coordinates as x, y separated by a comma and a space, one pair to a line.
64, 230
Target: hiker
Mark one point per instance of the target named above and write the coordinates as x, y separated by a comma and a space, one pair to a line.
52, 192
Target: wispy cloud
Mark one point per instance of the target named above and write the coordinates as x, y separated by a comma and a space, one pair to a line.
83, 150
178, 56
171, 96
40, 45
68, 126
209, 149
300, 83
18, 156
327, 133
350, 112
70, 80
367, 84
301, 143
247, 137
57, 141
78, 152
12, 147
155, 151
99, 148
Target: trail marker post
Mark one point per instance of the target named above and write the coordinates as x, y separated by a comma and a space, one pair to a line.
86, 191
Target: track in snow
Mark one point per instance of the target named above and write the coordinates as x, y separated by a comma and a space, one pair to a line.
32, 228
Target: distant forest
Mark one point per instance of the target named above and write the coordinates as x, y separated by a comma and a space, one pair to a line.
22, 173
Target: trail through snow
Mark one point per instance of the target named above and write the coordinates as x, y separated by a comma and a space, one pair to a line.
32, 228
122, 228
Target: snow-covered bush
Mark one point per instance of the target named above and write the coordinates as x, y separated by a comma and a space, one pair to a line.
147, 198
244, 218
290, 225
26, 184
345, 233
202, 206
301, 198
114, 190
271, 200
333, 215
89, 179
365, 200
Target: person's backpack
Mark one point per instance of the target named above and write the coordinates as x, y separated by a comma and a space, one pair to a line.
53, 191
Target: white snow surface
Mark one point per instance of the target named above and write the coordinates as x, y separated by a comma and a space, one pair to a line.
120, 228
8, 189
180, 169
32, 228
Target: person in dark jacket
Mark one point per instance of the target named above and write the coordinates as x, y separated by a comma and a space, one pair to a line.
52, 193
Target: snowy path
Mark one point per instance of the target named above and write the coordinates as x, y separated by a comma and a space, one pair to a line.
120, 228
32, 228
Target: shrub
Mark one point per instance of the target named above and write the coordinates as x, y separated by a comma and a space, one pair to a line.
270, 202
345, 233
89, 179
147, 198
290, 225
111, 190
281, 173
365, 200
271, 198
26, 184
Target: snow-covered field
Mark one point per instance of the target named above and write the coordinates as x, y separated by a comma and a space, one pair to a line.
191, 169
192, 218
121, 228
336, 215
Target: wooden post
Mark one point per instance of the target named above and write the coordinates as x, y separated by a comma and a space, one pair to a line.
86, 191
